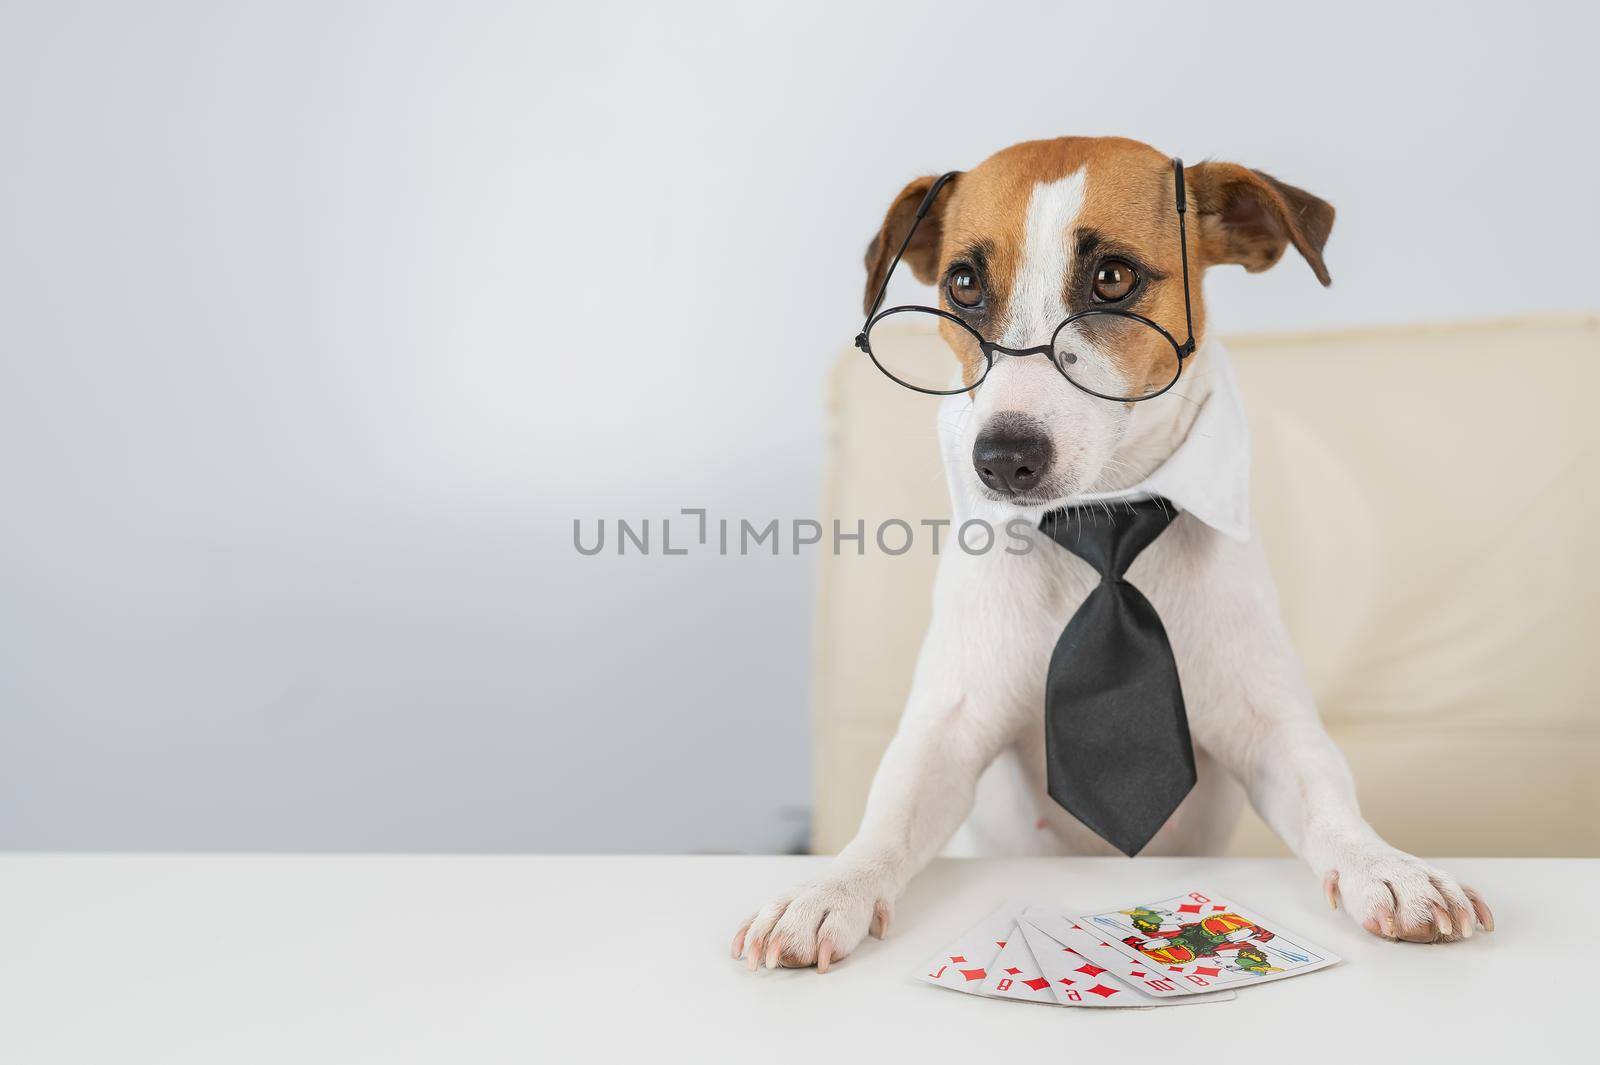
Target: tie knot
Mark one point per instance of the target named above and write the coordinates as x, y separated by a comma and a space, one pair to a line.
1109, 536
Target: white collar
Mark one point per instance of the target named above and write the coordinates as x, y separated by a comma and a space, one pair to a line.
1207, 474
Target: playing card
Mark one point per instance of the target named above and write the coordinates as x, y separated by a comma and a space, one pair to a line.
964, 964
1015, 973
1196, 943
1078, 980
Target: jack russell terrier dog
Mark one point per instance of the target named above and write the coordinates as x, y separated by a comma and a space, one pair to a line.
1019, 246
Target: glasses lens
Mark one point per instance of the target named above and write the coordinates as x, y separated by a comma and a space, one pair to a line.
909, 346
1116, 356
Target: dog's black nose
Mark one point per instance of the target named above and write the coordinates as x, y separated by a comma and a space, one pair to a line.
1013, 453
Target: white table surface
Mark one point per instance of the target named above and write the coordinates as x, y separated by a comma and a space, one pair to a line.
227, 959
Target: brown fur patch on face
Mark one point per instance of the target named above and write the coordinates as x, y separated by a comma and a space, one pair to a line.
1129, 212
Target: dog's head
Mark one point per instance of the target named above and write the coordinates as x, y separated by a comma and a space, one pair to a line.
1047, 229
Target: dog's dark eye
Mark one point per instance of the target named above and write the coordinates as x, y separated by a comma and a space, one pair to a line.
963, 286
1114, 280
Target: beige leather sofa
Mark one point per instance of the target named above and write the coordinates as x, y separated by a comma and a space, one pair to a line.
1427, 496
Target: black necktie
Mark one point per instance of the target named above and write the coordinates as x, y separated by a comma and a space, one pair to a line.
1116, 735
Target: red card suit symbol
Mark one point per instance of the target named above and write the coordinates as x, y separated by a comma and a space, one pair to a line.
1089, 968
1038, 983
973, 974
1102, 990
1013, 970
958, 958
1206, 970
1188, 907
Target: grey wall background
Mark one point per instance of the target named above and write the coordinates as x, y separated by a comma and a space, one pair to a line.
320, 323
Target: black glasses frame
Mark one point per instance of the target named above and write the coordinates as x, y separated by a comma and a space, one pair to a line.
1183, 350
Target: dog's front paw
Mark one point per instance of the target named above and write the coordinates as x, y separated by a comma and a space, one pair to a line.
816, 924
1396, 896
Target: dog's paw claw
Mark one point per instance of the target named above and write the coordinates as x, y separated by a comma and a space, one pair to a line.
1480, 909
881, 916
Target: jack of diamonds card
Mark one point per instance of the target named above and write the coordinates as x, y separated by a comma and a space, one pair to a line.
1201, 942
1078, 980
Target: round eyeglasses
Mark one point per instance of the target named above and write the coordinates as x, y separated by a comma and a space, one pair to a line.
902, 341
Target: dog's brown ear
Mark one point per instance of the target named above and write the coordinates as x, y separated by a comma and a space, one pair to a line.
1248, 217
922, 255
